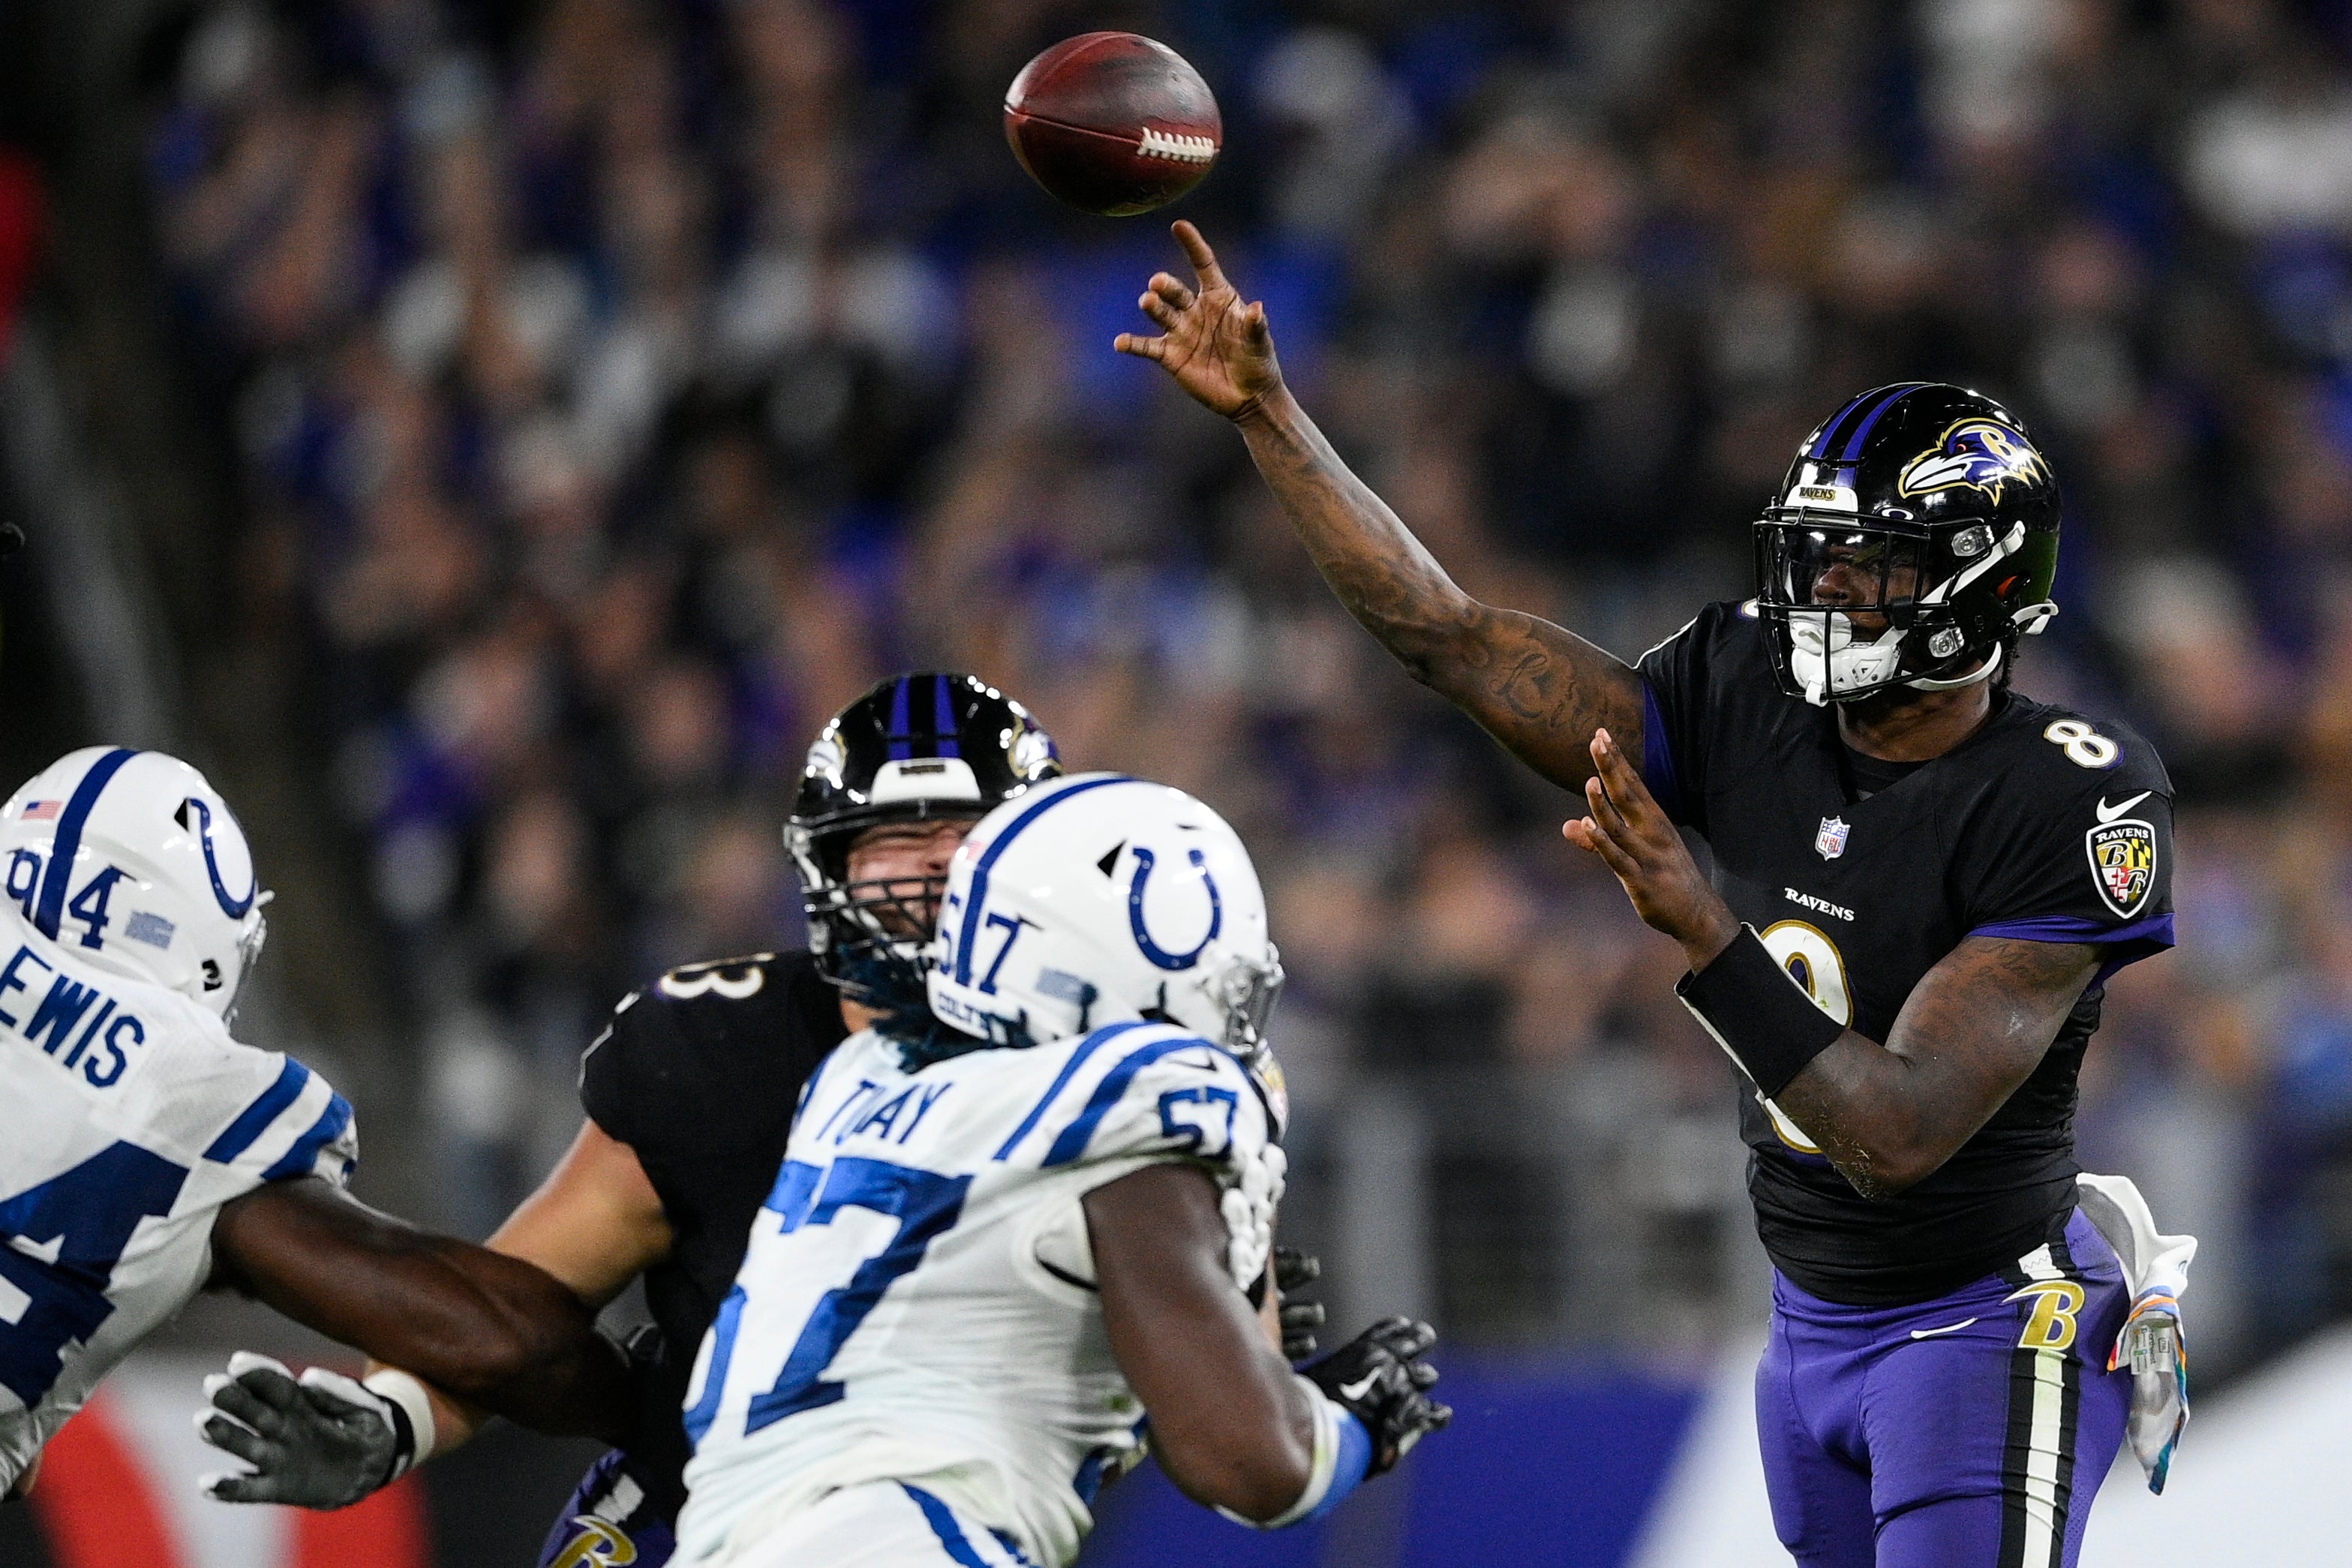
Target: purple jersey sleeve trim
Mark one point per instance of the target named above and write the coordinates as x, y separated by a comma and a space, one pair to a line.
1658, 774
2124, 943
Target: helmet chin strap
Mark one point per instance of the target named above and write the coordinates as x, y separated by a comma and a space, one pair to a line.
1981, 672
2030, 621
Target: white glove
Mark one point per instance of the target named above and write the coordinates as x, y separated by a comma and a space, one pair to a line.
323, 1441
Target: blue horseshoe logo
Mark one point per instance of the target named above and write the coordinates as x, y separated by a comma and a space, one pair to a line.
234, 908
1160, 956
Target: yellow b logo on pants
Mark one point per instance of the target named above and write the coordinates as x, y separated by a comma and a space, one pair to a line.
598, 1545
2051, 1325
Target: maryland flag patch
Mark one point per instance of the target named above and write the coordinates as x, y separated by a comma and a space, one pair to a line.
2123, 864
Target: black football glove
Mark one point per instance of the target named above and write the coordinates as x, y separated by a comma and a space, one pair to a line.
1294, 1271
322, 1441
1380, 1378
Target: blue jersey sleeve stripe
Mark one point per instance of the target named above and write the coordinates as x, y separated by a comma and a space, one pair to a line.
1073, 1142
2155, 929
2118, 945
1092, 1044
302, 1157
1659, 774
67, 844
255, 1119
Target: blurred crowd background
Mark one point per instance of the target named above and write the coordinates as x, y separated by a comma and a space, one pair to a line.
608, 390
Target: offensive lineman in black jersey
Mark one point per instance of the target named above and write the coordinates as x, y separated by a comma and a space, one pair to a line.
1947, 871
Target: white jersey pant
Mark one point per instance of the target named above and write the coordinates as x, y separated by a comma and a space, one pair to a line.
879, 1524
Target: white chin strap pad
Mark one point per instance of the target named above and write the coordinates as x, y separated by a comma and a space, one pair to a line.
1829, 663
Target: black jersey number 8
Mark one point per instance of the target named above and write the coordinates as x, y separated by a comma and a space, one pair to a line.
735, 980
1813, 962
2085, 747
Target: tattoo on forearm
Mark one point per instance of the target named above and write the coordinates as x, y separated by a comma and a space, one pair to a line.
1540, 689
1973, 1031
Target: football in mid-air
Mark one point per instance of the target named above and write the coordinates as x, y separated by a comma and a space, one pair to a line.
1113, 123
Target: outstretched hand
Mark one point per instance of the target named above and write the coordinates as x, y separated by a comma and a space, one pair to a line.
1633, 837
1218, 348
321, 1441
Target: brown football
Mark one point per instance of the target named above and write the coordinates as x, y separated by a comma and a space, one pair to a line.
1113, 123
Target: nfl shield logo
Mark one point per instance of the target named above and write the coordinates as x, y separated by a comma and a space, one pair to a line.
1831, 840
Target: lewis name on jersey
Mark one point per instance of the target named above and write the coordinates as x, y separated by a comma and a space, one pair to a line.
131, 1117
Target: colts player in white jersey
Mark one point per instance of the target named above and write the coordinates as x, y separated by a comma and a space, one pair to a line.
145, 1153
994, 1250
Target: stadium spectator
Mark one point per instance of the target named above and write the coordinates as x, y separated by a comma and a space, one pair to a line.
635, 386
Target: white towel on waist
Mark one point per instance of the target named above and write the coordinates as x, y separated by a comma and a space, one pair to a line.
2155, 1267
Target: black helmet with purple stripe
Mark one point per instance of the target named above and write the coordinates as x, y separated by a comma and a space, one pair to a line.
918, 747
1913, 541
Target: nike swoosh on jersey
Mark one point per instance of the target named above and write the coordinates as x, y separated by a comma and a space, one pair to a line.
1356, 1390
1946, 1328
2109, 813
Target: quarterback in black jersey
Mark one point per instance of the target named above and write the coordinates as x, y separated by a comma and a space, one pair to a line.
1920, 882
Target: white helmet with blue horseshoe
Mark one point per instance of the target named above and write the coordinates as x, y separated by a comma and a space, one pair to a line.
135, 865
1097, 899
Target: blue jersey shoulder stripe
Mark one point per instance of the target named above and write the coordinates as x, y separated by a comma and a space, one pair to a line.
1088, 1048
976, 897
1073, 1142
66, 843
255, 1119
303, 1155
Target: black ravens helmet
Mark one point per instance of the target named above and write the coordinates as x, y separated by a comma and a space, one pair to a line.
916, 748
1914, 541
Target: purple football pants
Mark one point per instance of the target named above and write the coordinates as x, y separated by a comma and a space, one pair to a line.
1971, 1431
607, 1523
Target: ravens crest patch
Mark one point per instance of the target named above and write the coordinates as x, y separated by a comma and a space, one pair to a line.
2123, 862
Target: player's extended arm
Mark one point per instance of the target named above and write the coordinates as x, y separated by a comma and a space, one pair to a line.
491, 1329
1886, 1115
1233, 1427
1230, 1425
595, 1224
1538, 688
1972, 1030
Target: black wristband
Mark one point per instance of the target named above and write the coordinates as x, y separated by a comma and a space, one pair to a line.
1758, 1012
